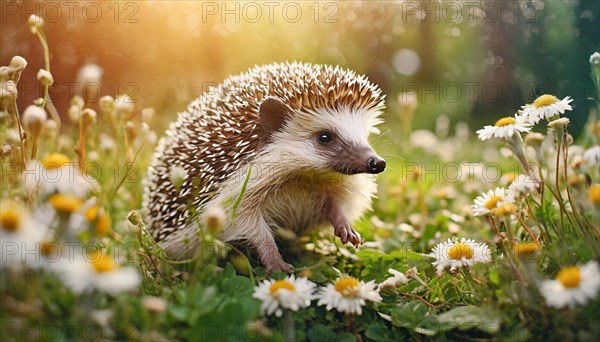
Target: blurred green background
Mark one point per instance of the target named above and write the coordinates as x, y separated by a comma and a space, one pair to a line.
472, 61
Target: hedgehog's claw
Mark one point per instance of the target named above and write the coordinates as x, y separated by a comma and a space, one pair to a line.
279, 266
347, 234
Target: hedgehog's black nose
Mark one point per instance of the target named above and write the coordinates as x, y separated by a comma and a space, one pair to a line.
376, 165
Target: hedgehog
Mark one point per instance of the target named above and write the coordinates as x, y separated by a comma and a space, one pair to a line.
283, 146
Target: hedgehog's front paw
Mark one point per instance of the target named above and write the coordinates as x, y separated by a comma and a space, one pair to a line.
347, 234
279, 266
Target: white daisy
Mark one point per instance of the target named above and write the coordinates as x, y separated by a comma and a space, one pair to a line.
20, 234
289, 293
545, 107
453, 254
504, 128
489, 201
522, 185
348, 295
572, 285
82, 273
56, 174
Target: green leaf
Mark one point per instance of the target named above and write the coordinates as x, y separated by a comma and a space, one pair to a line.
470, 317
346, 337
320, 332
237, 287
409, 315
179, 312
377, 331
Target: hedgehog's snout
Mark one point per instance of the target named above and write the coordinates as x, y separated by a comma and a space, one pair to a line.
375, 164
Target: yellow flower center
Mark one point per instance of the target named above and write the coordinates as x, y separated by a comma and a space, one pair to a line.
101, 219
524, 249
281, 284
347, 286
103, 225
460, 250
103, 263
49, 249
441, 194
92, 213
576, 180
505, 209
594, 193
55, 160
64, 203
544, 100
510, 176
569, 277
10, 218
505, 122
492, 202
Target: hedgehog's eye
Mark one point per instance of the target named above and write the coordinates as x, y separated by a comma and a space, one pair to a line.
325, 137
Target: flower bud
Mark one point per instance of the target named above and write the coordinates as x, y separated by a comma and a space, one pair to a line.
559, 124
534, 139
45, 77
570, 140
8, 92
16, 66
74, 113
34, 120
88, 116
78, 101
124, 105
135, 218
4, 73
595, 59
148, 114
35, 23
130, 131
8, 89
215, 220
107, 104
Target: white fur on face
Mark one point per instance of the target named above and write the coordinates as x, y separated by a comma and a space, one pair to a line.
295, 142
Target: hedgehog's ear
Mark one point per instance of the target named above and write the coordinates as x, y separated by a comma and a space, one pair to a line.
273, 113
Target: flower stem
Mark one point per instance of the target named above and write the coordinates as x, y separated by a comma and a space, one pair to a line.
42, 38
289, 327
526, 228
18, 119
